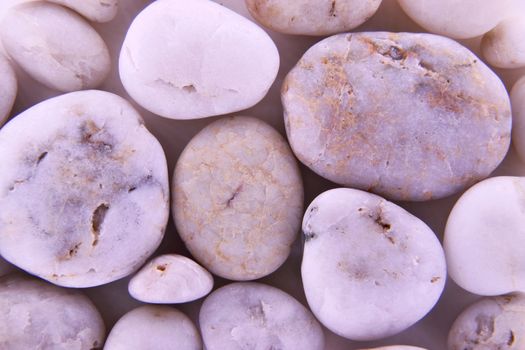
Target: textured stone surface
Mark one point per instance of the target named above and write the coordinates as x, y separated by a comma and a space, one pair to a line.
55, 46
154, 327
408, 116
485, 237
94, 10
193, 59
312, 17
238, 198
37, 315
370, 269
504, 46
490, 324
517, 96
255, 316
83, 190
8, 88
170, 279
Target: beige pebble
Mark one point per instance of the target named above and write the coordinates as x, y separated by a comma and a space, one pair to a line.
504, 46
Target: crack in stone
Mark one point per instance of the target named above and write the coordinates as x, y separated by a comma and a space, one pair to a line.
97, 221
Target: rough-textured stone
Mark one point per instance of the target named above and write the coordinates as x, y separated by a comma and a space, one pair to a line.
312, 17
255, 316
408, 116
370, 269
517, 96
8, 88
504, 46
238, 198
94, 10
83, 189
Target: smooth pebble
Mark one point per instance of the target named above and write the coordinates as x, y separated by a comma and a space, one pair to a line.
94, 10
396, 347
517, 95
504, 46
8, 89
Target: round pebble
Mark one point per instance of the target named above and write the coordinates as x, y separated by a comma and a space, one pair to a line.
83, 189
238, 198
408, 116
257, 317
504, 46
312, 17
94, 10
8, 89
490, 324
34, 35
170, 279
370, 269
485, 236
154, 327
517, 96
194, 59
37, 315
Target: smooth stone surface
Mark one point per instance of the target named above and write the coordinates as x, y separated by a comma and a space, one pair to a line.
34, 35
238, 198
370, 269
485, 237
490, 324
94, 10
170, 279
37, 315
408, 116
8, 88
154, 327
312, 17
396, 347
194, 59
504, 46
83, 190
517, 96
255, 316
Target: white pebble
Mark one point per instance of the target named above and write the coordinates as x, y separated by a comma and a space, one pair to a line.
94, 10
8, 88
504, 46
517, 97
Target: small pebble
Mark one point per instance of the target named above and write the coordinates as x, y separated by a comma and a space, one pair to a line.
504, 46
396, 347
517, 96
8, 89
94, 10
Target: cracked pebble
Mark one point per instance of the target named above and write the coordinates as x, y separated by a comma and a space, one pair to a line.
255, 316
8, 88
238, 198
408, 116
371, 269
84, 190
95, 10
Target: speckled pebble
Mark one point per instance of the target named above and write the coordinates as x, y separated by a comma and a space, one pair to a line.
94, 10
8, 88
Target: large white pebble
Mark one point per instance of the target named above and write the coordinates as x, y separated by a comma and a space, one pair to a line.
258, 317
238, 198
154, 327
193, 59
37, 315
504, 46
8, 88
485, 237
55, 46
490, 324
83, 189
370, 269
94, 10
396, 347
517, 98
170, 279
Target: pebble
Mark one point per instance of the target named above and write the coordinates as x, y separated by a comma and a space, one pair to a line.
489, 324
408, 116
485, 236
504, 46
37, 315
255, 316
194, 59
94, 10
34, 35
312, 17
170, 279
370, 269
154, 327
517, 95
8, 89
84, 190
238, 198
396, 347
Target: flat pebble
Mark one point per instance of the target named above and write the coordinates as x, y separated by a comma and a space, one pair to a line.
194, 59
517, 96
8, 88
238, 198
37, 315
94, 10
255, 316
504, 46
154, 327
312, 17
370, 269
408, 116
485, 236
34, 35
84, 189
170, 279
490, 324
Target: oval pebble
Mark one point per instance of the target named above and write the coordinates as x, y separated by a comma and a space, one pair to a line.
154, 327
238, 198
37, 315
66, 60
94, 10
83, 189
258, 317
370, 269
484, 237
194, 59
170, 279
491, 323
517, 95
312, 17
8, 89
408, 116
504, 46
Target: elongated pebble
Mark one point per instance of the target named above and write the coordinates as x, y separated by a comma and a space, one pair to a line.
504, 46
8, 88
94, 10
